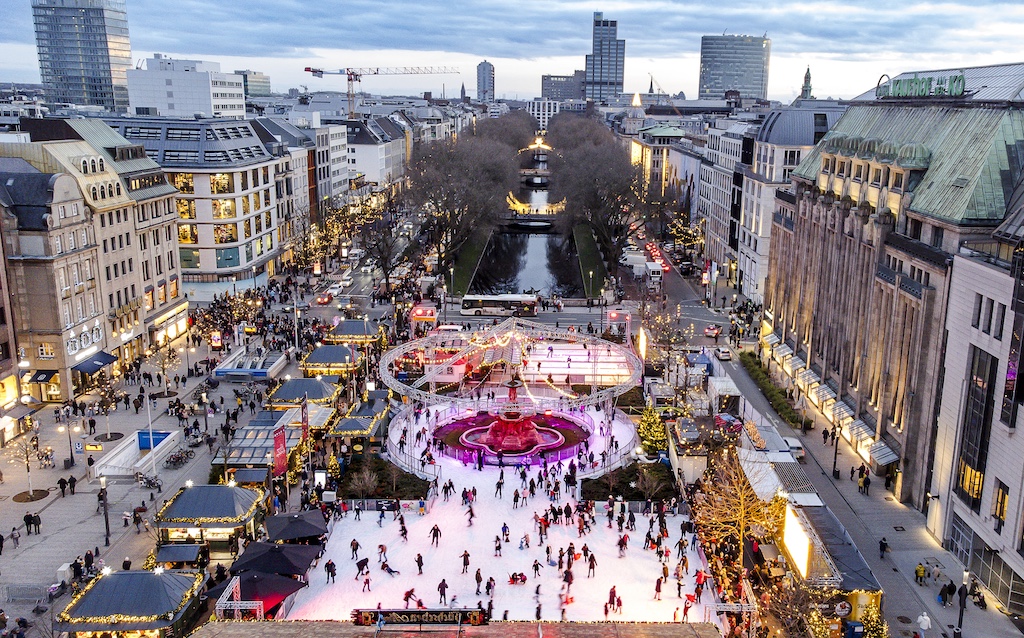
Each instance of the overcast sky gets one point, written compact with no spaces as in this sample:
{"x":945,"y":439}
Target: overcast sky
{"x":848,"y":45}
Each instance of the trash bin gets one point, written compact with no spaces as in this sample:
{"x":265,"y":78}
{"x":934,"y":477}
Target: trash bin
{"x":68,"y":463}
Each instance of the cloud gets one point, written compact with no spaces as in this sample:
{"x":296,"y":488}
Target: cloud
{"x":657,"y":32}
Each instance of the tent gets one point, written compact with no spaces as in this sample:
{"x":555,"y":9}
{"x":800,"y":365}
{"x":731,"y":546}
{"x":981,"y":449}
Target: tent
{"x":276,"y":559}
{"x":269,"y":588}
{"x":286,"y":527}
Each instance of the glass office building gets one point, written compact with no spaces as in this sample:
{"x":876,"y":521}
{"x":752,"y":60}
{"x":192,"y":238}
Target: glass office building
{"x":734,"y":63}
{"x":604,"y":69}
{"x":84,"y":51}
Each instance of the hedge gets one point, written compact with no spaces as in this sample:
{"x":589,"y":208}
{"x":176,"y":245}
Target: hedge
{"x":775,"y":395}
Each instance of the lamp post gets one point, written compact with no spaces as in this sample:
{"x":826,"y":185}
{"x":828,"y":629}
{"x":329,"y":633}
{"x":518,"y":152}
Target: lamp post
{"x":297,"y":315}
{"x":106,"y":511}
{"x":71,"y":448}
{"x":835,"y":452}
{"x":601,"y":307}
{"x":451,"y":278}
{"x":590,"y":288}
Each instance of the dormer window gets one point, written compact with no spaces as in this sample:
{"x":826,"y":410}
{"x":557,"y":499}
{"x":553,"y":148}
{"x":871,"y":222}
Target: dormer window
{"x":92,"y":165}
{"x":95,"y":193}
{"x":101,"y":165}
{"x":85,"y":166}
{"x":897,"y":181}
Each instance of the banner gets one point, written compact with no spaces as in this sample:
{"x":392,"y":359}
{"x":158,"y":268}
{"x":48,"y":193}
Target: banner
{"x":305,"y":418}
{"x":280,"y":452}
{"x":215,"y":340}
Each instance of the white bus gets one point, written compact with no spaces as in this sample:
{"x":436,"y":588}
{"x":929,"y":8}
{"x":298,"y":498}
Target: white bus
{"x":504,"y":305}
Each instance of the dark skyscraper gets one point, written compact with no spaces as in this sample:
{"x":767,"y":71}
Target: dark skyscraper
{"x":84,"y":51}
{"x":734,"y":63}
{"x":604,"y":69}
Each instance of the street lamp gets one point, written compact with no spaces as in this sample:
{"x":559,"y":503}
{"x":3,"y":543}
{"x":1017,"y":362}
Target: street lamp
{"x":71,"y":448}
{"x":590,"y":290}
{"x":106,"y":512}
{"x":451,"y":278}
{"x":297,"y":315}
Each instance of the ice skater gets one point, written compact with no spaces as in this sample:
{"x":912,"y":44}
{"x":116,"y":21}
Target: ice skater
{"x":361,"y":567}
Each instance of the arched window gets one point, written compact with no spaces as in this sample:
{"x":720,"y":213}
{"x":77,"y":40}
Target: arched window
{"x":85,"y":166}
{"x":92,"y":165}
{"x":103,"y":191}
{"x":101,"y":165}
{"x":117,"y":185}
{"x":94,"y":193}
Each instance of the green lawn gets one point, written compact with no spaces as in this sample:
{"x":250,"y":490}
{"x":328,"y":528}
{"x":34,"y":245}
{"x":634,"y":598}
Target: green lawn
{"x":467,"y":259}
{"x":590,"y":259}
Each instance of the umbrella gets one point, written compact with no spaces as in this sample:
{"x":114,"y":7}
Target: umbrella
{"x":286,"y":527}
{"x":269,"y":588}
{"x":276,"y":559}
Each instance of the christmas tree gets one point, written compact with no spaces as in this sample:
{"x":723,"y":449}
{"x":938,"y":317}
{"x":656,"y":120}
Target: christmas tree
{"x":874,"y":623}
{"x":652,"y":431}
{"x":333,"y":469}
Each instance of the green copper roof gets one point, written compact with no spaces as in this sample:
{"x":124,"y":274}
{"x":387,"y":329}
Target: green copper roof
{"x":975,"y":154}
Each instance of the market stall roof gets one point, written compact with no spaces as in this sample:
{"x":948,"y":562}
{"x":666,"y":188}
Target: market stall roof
{"x":353,"y":331}
{"x":293,"y":390}
{"x":139,"y":600}
{"x":250,"y":475}
{"x":287,"y":527}
{"x":844,"y":553}
{"x":275,"y":558}
{"x":272,"y":589}
{"x":772,"y":472}
{"x":178,"y":553}
{"x":209,"y":506}
{"x":327,"y":355}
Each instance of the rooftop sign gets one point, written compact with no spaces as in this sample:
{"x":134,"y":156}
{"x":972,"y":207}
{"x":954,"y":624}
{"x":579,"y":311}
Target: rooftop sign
{"x":921,"y":86}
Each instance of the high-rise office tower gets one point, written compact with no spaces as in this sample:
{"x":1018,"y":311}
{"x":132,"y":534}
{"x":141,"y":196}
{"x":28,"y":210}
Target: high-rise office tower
{"x":604,"y":68}
{"x":84,"y":51}
{"x":734,"y":63}
{"x":485,"y":82}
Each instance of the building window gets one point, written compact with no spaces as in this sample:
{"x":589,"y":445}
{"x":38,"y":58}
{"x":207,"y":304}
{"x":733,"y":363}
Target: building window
{"x":46,"y":351}
{"x":999,"y":504}
{"x":225,"y":233}
{"x":1000,"y":318}
{"x":184,"y":182}
{"x":986,"y":317}
{"x":976,"y":316}
{"x":222,"y":184}
{"x":914,"y":229}
{"x":223,"y":208}
{"x":186,"y":209}
{"x":147,"y":299}
{"x":187,"y":257}
{"x":188,"y":234}
{"x":977,"y":420}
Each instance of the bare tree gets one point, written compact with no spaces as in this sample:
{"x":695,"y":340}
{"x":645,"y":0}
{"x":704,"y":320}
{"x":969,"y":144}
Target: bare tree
{"x":365,"y":482}
{"x":19,"y":451}
{"x":728,"y":506}
{"x":647,"y":483}
{"x":393,"y":473}
{"x":515,"y":129}
{"x":380,"y":241}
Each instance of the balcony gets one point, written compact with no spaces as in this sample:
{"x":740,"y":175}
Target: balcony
{"x":785,"y":196}
{"x":886,"y":274}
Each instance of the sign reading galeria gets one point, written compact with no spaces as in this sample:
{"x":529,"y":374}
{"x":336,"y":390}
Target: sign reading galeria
{"x":368,"y":617}
{"x":921,"y":86}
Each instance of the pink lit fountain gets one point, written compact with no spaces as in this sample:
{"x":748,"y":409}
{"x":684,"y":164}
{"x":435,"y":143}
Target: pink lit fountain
{"x":512,"y":430}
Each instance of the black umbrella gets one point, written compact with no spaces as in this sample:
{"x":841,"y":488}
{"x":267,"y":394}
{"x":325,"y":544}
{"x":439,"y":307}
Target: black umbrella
{"x":276,"y":559}
{"x":286,"y":527}
{"x":270,"y":588}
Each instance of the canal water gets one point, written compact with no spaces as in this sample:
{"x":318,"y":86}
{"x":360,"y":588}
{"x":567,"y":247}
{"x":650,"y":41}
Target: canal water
{"x":527,"y":262}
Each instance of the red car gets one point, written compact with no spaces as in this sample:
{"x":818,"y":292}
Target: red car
{"x":324,"y":298}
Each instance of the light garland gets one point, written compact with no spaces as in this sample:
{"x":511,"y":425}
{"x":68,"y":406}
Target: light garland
{"x":213,"y":519}
{"x":198,"y":580}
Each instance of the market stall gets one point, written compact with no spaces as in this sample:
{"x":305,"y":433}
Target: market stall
{"x":332,"y":360}
{"x":133,"y":604}
{"x":217,"y":515}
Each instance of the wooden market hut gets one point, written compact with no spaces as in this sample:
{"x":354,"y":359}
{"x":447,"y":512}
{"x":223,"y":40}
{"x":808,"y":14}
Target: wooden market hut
{"x":218,"y":515}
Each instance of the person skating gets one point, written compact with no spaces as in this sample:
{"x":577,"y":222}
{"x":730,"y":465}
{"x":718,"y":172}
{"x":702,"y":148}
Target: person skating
{"x":442,"y":589}
{"x":536,"y":568}
{"x":361,"y":567}
{"x":471,"y":515}
{"x":380,"y":519}
{"x":366,"y":583}
{"x":435,"y":536}
{"x":497,"y":546}
{"x":408,"y":596}
{"x":382,"y":553}
{"x":331,"y":569}
{"x":611,"y":597}
{"x":465,"y":561}
{"x":592,"y":566}
{"x":657,"y":589}
{"x":355,"y":549}
{"x":479,"y":581}
{"x":419,"y":564}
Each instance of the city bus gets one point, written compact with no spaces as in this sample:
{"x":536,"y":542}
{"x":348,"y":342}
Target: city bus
{"x":504,"y":305}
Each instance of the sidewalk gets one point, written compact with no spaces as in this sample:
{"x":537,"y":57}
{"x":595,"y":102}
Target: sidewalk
{"x":71,"y":525}
{"x":868,"y":518}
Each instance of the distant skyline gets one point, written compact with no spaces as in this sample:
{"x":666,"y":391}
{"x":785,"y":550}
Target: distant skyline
{"x":847,"y":47}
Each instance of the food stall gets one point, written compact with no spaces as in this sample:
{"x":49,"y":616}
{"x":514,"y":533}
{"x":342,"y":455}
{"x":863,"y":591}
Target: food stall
{"x":218,"y":515}
{"x":133,"y":604}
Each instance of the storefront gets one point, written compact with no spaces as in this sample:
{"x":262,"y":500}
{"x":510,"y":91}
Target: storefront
{"x":133,"y":604}
{"x":169,"y":325}
{"x":42,"y":385}
{"x":216,"y":515}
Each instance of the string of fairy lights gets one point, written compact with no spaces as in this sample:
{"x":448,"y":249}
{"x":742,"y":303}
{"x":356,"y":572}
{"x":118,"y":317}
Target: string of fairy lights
{"x":66,"y":616}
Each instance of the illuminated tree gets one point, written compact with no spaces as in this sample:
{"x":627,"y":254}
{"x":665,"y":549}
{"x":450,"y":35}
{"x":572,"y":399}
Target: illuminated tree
{"x":874,"y":623}
{"x":728,"y":506}
{"x":651,"y":430}
{"x":333,"y":467}
{"x":796,"y":605}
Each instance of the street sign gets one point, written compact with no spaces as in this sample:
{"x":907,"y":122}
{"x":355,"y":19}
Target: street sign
{"x":93,"y":447}
{"x":79,"y":448}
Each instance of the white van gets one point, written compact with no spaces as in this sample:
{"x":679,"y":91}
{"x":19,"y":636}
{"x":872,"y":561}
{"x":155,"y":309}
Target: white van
{"x":796,"y":447}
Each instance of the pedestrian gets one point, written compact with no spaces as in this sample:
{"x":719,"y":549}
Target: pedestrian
{"x":924,"y":622}
{"x":936,"y":572}
{"x":63,"y":485}
{"x":15,"y":535}
{"x":919,"y":573}
{"x":853,"y":471}
{"x":883,"y":547}
{"x":442,"y":589}
{"x":867,"y":484}
{"x":137,"y":520}
{"x":36,"y":521}
{"x":331,"y":569}
{"x":127,"y":564}
{"x":72,"y":481}
{"x":860,"y":484}
{"x":824,"y":437}
{"x":1,"y":551}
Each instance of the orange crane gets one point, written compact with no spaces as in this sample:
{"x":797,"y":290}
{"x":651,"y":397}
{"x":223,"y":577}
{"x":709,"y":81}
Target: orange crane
{"x":356,"y":75}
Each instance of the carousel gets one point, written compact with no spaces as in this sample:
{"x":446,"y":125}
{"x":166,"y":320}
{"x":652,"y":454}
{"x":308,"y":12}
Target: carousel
{"x":519,"y":392}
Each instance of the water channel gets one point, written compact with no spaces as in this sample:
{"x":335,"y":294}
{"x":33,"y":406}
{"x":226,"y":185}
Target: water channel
{"x":534,"y":260}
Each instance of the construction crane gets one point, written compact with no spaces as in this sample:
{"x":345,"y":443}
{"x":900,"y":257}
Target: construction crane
{"x":661,"y":91}
{"x":356,"y":75}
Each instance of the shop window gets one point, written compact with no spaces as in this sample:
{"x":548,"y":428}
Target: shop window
{"x":225,"y":234}
{"x":147,"y":299}
{"x":184,"y":182}
{"x":222,"y":184}
{"x":223,"y":208}
{"x":161,"y":293}
{"x":188,"y":234}
{"x":172,"y":289}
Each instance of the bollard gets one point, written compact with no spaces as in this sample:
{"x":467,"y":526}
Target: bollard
{"x":96,"y":551}
{"x":151,"y":497}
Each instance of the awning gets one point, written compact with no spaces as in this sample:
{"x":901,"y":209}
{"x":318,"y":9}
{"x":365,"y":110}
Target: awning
{"x":841,"y":411}
{"x":796,"y":363}
{"x":42,"y":376}
{"x":825,"y":393}
{"x":185,"y":553}
{"x":771,"y":339}
{"x":782,"y":351}
{"x":93,"y":364}
{"x":20,"y":411}
{"x":808,"y":377}
{"x":860,"y":430}
{"x":882,"y":454}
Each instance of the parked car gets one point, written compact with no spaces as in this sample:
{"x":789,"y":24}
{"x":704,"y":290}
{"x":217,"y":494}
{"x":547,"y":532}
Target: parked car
{"x":712,"y":330}
{"x":723,"y":354}
{"x":324,"y":298}
{"x":796,"y":448}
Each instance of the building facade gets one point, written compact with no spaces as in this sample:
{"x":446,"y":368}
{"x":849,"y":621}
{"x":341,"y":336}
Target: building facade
{"x":543,"y":110}
{"x":185,"y":88}
{"x":734,"y":63}
{"x":53,"y":258}
{"x":485,"y":82}
{"x":859,"y":284}
{"x":254,"y":83}
{"x":224,"y":173}
{"x":605,"y":65}
{"x":786,"y":135}
{"x":563,"y":87}
{"x":84,"y":51}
